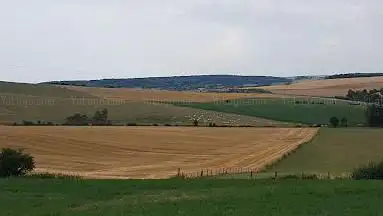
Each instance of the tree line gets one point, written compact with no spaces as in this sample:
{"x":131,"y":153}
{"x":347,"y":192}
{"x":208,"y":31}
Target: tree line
{"x":368,"y":96}
{"x":354,"y":75}
{"x":374,"y":100}
{"x":99,"y":118}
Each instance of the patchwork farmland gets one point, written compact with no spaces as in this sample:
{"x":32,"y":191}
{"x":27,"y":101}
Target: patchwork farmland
{"x":151,"y":152}
{"x":327,"y":88}
{"x":50,"y":103}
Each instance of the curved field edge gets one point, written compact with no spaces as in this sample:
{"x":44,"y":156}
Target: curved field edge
{"x":150,"y":152}
{"x":279,"y":160}
{"x":337,"y":151}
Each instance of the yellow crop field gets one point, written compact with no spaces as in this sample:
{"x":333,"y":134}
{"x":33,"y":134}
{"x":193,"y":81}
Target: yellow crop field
{"x":137,"y":95}
{"x":151,"y":152}
{"x":332,"y":87}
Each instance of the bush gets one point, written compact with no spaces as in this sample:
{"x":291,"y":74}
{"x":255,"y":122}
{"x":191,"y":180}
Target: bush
{"x":212,"y":124}
{"x":28,"y":123}
{"x":369,"y":171}
{"x":131,"y":124}
{"x":334,"y":121}
{"x":15,"y":163}
{"x":77,"y":120}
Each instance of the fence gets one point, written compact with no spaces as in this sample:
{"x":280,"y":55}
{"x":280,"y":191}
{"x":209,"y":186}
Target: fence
{"x":217,"y":172}
{"x":247,"y":173}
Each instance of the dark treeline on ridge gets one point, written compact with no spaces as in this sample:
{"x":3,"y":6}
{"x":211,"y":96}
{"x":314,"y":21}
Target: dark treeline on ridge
{"x":354,"y":75}
{"x":180,"y":83}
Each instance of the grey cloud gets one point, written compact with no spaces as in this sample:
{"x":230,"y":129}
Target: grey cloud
{"x":83,"y":39}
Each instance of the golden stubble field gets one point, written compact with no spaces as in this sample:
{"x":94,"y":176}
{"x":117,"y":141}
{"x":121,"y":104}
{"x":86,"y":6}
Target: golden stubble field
{"x":151,"y":152}
{"x":328,"y":88}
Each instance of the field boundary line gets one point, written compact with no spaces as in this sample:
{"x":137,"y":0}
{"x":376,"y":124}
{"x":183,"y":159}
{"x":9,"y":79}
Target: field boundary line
{"x":287,"y":154}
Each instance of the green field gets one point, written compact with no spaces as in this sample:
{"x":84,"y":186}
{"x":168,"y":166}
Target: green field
{"x":287,"y":110}
{"x":335,"y":150}
{"x":33,"y":197}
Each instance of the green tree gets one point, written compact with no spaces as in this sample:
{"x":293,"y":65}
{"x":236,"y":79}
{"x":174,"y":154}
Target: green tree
{"x":344,"y":122}
{"x":334,"y":121}
{"x":374,"y":115}
{"x":15,"y":163}
{"x":100,"y":117}
{"x":77,"y":119}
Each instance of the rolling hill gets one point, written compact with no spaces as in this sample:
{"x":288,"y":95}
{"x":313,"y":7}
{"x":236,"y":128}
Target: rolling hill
{"x":180,"y":83}
{"x":327,"y":87}
{"x":50,"y":103}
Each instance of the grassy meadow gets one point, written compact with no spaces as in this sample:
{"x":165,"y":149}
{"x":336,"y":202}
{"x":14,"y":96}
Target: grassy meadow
{"x":335,"y":150}
{"x":34,"y":197}
{"x":288,"y":110}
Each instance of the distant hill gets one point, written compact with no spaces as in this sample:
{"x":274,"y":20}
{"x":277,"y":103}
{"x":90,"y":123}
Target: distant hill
{"x":354,"y":75}
{"x":21,"y":102}
{"x":179,"y":82}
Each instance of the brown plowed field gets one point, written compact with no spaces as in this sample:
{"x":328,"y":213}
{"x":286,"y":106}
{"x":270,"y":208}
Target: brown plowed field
{"x":138,"y":95}
{"x":333,"y":87}
{"x":151,"y":152}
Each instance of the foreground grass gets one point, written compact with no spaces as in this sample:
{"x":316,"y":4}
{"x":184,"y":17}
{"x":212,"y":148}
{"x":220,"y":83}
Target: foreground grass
{"x":335,"y":150}
{"x":198,"y":197}
{"x":286,"y":109}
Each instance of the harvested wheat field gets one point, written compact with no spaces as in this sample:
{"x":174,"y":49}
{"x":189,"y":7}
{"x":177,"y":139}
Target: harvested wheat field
{"x":331,"y":87}
{"x":138,"y":95}
{"x":151,"y":152}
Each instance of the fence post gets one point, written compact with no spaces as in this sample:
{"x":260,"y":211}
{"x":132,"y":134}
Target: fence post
{"x":251,"y":174}
{"x":328,"y":175}
{"x":276,"y":175}
{"x":179,"y":172}
{"x":201,"y":173}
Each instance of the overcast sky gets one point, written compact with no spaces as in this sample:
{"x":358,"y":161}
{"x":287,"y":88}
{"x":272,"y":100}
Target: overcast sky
{"x":43,"y":40}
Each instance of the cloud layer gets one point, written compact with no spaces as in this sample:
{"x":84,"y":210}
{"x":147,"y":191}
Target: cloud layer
{"x":87,"y":39}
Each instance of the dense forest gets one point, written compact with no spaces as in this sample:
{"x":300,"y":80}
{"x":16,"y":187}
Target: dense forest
{"x":180,"y":82}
